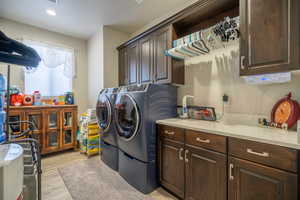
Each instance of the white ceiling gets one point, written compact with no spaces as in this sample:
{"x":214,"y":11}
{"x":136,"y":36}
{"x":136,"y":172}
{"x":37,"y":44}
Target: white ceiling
{"x":82,"y":18}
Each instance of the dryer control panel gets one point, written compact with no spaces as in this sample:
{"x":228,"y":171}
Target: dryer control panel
{"x":110,"y":90}
{"x":135,"y":88}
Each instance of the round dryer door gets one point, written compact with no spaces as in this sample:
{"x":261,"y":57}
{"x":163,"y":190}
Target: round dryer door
{"x":127,"y":117}
{"x":104,"y":112}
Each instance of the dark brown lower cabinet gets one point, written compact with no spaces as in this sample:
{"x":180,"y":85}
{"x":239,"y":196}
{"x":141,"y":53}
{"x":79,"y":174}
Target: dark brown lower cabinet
{"x":172,"y":166}
{"x":205,"y":173}
{"x":251,"y":181}
{"x":188,"y":171}
{"x":201,"y":166}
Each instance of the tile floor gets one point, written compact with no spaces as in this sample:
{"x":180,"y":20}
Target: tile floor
{"x":53,"y":187}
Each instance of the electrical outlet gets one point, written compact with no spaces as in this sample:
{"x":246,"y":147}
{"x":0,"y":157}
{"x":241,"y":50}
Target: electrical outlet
{"x":225,"y":98}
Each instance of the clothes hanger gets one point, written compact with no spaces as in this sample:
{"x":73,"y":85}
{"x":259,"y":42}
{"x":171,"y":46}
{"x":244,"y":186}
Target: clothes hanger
{"x":227,"y":29}
{"x":14,"y":52}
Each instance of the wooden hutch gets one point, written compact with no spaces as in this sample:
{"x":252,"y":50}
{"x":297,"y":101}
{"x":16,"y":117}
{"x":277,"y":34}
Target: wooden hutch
{"x":56,"y":125}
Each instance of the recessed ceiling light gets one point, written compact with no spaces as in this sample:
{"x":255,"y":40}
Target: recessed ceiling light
{"x":51,"y":12}
{"x":54,"y":1}
{"x":139,"y":1}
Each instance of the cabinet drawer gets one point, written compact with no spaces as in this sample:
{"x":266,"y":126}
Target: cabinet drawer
{"x":172,"y":133}
{"x":206,"y":140}
{"x":267,"y":154}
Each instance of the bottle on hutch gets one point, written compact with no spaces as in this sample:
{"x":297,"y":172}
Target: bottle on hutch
{"x":69,"y":98}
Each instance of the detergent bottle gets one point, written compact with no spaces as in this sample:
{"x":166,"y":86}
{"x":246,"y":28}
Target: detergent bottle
{"x":2,"y":112}
{"x":37,"y":98}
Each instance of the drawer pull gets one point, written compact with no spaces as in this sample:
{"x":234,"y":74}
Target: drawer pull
{"x":264,"y":154}
{"x":186,"y":156}
{"x":170,"y":132}
{"x":243,"y":62}
{"x":231,"y":177}
{"x":207,"y":141}
{"x":180,"y":154}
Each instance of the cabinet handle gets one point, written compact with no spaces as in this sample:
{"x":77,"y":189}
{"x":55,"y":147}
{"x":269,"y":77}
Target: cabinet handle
{"x":243,"y":62}
{"x":170,"y":132}
{"x":231,"y":167}
{"x":186,"y":155}
{"x":207,"y":141}
{"x":263,"y":154}
{"x":180,"y":154}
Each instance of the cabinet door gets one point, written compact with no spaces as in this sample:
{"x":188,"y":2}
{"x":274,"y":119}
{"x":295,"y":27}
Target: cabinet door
{"x":36,"y":119}
{"x":269,"y":36}
{"x":248,"y":181}
{"x":53,"y":130}
{"x":162,"y":65}
{"x":146,"y":59}
{"x":133,"y":63}
{"x":206,"y":177}
{"x":53,"y":122}
{"x":68,"y":118}
{"x":68,"y":132}
{"x":123,"y":67}
{"x":14,"y":119}
{"x":68,"y":138}
{"x":171,"y":164}
{"x":52,"y":142}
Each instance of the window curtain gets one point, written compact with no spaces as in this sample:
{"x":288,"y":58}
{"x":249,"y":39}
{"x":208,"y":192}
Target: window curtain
{"x":53,"y":57}
{"x":54,"y":75}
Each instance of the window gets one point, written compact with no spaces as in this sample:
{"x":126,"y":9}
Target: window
{"x":54,"y":75}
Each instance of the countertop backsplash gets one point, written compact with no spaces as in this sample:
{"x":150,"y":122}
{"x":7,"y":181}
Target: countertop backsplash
{"x":232,"y":118}
{"x":209,"y":77}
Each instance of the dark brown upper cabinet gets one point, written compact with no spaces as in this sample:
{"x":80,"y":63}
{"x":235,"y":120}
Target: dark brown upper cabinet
{"x":166,"y":69}
{"x":163,"y":65}
{"x":269,"y":36}
{"x":123,"y":67}
{"x":248,"y":180}
{"x":146,"y":61}
{"x":146,"y":46}
{"x":133,"y":63}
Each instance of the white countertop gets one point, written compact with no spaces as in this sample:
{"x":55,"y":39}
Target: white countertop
{"x":254,"y":133}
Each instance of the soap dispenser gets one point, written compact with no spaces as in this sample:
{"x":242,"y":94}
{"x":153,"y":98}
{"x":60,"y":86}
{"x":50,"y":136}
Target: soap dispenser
{"x":185,"y":111}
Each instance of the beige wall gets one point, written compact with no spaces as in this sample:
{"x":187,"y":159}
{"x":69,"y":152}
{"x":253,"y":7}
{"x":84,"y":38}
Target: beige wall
{"x":103,"y":61}
{"x":209,"y":77}
{"x":95,"y":67}
{"x":112,"y":39}
{"x":22,"y":31}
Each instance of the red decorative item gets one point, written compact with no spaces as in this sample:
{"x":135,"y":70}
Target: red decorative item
{"x":286,"y":111}
{"x":16,"y":99}
{"x":28,"y":100}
